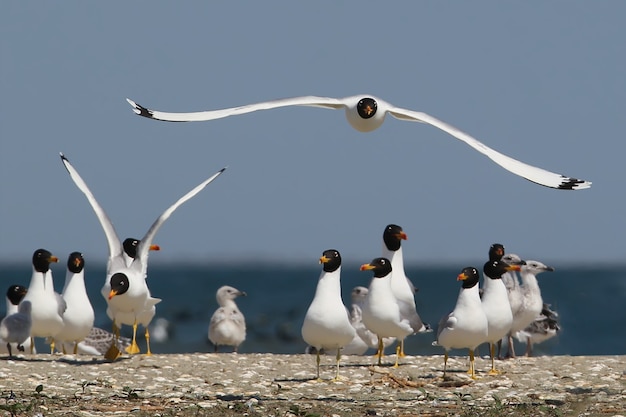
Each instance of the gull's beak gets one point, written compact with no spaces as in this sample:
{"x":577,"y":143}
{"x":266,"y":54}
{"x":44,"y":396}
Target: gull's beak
{"x":513,"y":268}
{"x":155,"y":247}
{"x":77,"y":262}
{"x":462,"y":277}
{"x":53,"y":259}
{"x":402,"y":236}
{"x":367,"y":267}
{"x":112,"y":294}
{"x":324,"y":259}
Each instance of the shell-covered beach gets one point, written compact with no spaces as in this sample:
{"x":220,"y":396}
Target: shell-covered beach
{"x":285,"y":385}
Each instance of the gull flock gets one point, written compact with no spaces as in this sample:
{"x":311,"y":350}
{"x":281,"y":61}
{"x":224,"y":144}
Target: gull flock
{"x":385,"y":313}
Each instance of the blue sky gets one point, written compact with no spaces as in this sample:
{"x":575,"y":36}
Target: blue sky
{"x":540,"y":81}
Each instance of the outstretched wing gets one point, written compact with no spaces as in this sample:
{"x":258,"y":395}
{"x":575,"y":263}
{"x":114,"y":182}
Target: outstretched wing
{"x":144,"y":246}
{"x":310,"y":101}
{"x":115,"y":246}
{"x":537,"y":175}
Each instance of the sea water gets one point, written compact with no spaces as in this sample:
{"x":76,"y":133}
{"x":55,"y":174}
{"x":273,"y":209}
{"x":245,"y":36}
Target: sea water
{"x":590,"y":301}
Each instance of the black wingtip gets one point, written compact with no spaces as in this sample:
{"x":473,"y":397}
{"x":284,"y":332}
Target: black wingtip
{"x":572,"y":184}
{"x":63,"y":156}
{"x":141,"y":110}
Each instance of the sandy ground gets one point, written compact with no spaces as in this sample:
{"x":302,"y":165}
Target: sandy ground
{"x":285,"y":385}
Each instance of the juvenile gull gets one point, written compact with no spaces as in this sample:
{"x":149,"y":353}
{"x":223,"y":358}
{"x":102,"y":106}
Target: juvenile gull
{"x":366,"y":113}
{"x":532,"y":302}
{"x":47,"y":306}
{"x":79,"y":316}
{"x":326,"y":323}
{"x":228,"y":325}
{"x":512,"y":284}
{"x":125,"y":289}
{"x":381,"y":312}
{"x":466,"y":326}
{"x":401,"y":286}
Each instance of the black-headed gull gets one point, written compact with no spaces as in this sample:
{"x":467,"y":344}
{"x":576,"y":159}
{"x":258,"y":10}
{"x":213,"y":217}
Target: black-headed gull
{"x":466,"y":326}
{"x":403,"y":289}
{"x":79,"y":316}
{"x":327,"y":323}
{"x":381,"y":312}
{"x":495,"y":303}
{"x":366,"y":113}
{"x":47,"y":305}
{"x":125,"y":289}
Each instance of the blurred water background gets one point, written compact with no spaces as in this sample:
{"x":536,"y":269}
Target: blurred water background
{"x":590,"y":301}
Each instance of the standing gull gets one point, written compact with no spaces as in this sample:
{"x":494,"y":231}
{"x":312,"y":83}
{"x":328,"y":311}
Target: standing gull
{"x":326,"y":323}
{"x":16,"y":327}
{"x":15,"y":294}
{"x":402,"y":288}
{"x":466,"y":326}
{"x":364,"y":338}
{"x":78,"y":317}
{"x":531,"y":300}
{"x":495,"y":303}
{"x":366,"y":113}
{"x":125,"y":289}
{"x":228,"y":325}
{"x":47,"y":306}
{"x":511,"y":282}
{"x":381,"y":312}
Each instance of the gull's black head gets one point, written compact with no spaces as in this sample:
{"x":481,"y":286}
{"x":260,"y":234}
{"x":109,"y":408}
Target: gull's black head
{"x":495,"y":269}
{"x":42,"y":259}
{"x":331,"y":260}
{"x":119,"y":284}
{"x":380,"y":266}
{"x":130,"y":247}
{"x":469,"y":276}
{"x":75,"y":262}
{"x":16,"y":293}
{"x":496,"y":252}
{"x":393,"y":237}
{"x":366,"y":107}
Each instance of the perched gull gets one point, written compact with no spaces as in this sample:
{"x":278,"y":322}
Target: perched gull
{"x":366,"y":113}
{"x":364,"y":338}
{"x":125,"y":289}
{"x":532,"y":303}
{"x":541,"y":329}
{"x":381,"y":312}
{"x":228,"y":325}
{"x":402,"y":288}
{"x":47,"y":305}
{"x":466,"y":326}
{"x":16,"y":327}
{"x":15,"y":294}
{"x":326,"y":323}
{"x":495,"y":303}
{"x":511,"y":282}
{"x":78,"y":316}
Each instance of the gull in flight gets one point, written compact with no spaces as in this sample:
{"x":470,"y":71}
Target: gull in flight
{"x":366,"y":113}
